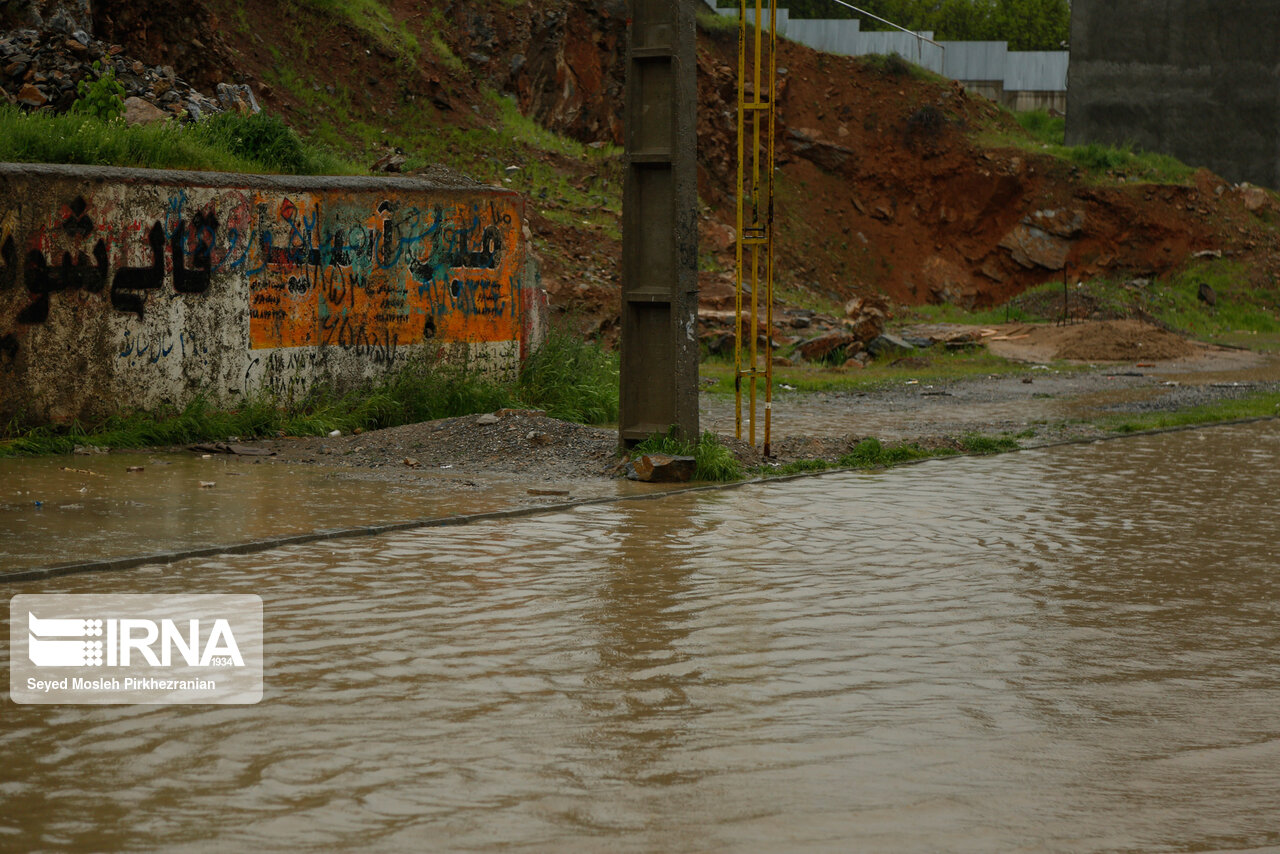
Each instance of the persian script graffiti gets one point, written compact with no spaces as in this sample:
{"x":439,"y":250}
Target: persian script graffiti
{"x":321,"y":271}
{"x":341,"y":275}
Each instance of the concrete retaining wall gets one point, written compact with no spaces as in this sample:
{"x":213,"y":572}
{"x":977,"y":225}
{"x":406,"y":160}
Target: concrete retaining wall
{"x":123,"y":288}
{"x":1020,"y":80}
{"x":1198,"y":79}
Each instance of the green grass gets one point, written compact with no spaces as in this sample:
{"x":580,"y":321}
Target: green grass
{"x":1254,"y":406}
{"x":1246,"y":313}
{"x":714,"y":461}
{"x":1046,"y":129}
{"x":872,"y":453}
{"x":1043,"y":134}
{"x":941,"y":366}
{"x":572,"y":378}
{"x":374,"y":19}
{"x":567,"y":181}
{"x":974,"y":443}
{"x":716,"y":25}
{"x":569,"y":378}
{"x":226,"y":142}
{"x":893,"y":65}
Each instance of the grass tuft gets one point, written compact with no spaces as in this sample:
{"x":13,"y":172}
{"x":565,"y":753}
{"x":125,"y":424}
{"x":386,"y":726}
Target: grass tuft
{"x":870,"y":453}
{"x":572,"y":378}
{"x":976,"y":444}
{"x":1047,"y":129}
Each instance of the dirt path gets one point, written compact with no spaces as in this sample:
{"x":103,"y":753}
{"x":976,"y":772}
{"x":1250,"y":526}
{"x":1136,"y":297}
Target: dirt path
{"x":1040,"y":405}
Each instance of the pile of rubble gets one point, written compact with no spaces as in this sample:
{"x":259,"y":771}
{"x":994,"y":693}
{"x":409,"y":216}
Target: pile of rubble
{"x":41,"y":69}
{"x":811,"y":336}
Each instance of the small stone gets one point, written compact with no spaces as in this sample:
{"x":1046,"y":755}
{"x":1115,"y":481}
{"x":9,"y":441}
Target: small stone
{"x":661,"y":468}
{"x":208,"y":484}
{"x":134,"y":469}
{"x":140,"y":112}
{"x":1207,"y":294}
{"x":31,"y":96}
{"x":887,"y":343}
{"x":1254,"y":198}
{"x":487,"y":418}
{"x":411,"y":462}
{"x":334,"y":434}
{"x":816,"y":349}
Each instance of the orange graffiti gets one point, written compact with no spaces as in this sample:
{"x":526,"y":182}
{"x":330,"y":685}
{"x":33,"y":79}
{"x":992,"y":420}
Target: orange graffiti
{"x":360,"y":270}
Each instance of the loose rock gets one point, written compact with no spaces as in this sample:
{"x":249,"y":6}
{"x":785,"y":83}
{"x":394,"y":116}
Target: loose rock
{"x":661,"y":468}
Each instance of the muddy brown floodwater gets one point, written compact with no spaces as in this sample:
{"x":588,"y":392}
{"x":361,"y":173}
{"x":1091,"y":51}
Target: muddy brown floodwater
{"x":1067,"y":649}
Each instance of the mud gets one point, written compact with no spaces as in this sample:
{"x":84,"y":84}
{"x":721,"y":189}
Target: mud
{"x":1042,"y":405}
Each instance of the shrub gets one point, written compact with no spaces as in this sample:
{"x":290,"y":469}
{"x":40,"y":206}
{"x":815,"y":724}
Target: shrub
{"x":102,"y":98}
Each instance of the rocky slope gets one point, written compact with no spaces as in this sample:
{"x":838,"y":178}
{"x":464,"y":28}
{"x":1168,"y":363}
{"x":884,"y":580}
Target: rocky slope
{"x":884,"y":190}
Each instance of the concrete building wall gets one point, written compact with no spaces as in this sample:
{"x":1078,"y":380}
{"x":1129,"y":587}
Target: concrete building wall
{"x":126,"y":288}
{"x":1198,"y":79}
{"x":1020,"y":80}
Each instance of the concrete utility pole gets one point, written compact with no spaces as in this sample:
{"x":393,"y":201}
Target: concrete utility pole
{"x":660,"y":225}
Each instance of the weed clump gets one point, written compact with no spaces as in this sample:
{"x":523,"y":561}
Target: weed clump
{"x":261,"y":138}
{"x":889,"y":65}
{"x":572,"y":378}
{"x":870,"y":453}
{"x":976,"y":444}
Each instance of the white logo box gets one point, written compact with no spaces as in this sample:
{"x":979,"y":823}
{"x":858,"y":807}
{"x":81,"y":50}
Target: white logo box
{"x":135,"y":648}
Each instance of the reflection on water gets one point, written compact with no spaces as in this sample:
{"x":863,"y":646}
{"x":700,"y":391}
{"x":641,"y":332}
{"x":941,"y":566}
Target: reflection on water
{"x":57,"y":510}
{"x":1074,"y":649}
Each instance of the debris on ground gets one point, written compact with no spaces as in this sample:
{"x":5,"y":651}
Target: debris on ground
{"x":661,"y":468}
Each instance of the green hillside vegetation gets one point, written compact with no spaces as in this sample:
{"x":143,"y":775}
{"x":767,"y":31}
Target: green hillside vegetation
{"x":1246,"y":309}
{"x":227,"y":142}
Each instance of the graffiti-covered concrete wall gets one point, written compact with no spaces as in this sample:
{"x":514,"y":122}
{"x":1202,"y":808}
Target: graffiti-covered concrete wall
{"x":128,"y":288}
{"x":1198,"y":79}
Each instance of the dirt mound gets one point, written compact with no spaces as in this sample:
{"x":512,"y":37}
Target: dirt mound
{"x":511,"y":440}
{"x":1093,"y":341}
{"x":1119,"y":341}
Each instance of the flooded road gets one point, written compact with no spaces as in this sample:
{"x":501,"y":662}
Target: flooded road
{"x":67,"y":509}
{"x":1068,"y":649}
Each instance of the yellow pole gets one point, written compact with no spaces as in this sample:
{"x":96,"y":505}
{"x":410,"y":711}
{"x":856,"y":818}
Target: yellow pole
{"x":737,"y":290}
{"x":769,"y":164}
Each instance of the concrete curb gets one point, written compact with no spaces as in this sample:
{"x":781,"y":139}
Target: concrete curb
{"x":253,"y":546}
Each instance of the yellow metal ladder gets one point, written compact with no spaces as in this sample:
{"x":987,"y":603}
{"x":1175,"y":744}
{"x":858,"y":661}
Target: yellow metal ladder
{"x":755,"y":212}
